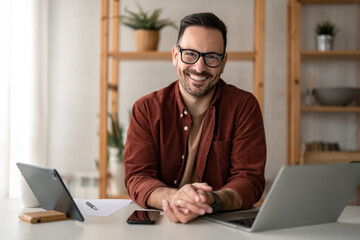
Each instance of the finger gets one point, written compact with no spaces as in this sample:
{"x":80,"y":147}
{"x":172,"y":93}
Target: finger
{"x":203,"y":195}
{"x":182,"y":217}
{"x":180,"y":204}
{"x":203,"y":186}
{"x":197,"y":208}
{"x":184,"y":211}
{"x":169,"y":212}
{"x":189,"y":193}
{"x":200,"y":189}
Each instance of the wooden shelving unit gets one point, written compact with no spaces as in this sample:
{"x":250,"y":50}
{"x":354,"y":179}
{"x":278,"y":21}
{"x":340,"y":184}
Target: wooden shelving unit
{"x":296,"y":57}
{"x":110,"y":56}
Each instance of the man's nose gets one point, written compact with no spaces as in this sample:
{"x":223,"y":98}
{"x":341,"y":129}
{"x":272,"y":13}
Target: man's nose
{"x":200,"y":65}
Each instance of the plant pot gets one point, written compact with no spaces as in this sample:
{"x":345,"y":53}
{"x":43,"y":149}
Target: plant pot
{"x":146,"y":40}
{"x":117,"y":171}
{"x":324,"y":42}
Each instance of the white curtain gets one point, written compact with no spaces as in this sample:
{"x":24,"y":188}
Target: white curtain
{"x":23,"y":88}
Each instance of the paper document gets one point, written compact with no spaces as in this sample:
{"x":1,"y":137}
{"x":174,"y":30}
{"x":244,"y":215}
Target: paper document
{"x":100,"y":207}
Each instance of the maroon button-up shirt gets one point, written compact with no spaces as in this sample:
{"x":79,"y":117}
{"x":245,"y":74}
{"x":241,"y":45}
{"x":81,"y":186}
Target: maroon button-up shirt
{"x":231,"y":152}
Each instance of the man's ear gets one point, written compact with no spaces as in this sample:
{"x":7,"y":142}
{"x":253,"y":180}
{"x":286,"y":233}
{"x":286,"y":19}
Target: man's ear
{"x":174,"y":54}
{"x":224,"y":63}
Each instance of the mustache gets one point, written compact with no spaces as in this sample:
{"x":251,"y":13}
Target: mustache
{"x":202,"y":74}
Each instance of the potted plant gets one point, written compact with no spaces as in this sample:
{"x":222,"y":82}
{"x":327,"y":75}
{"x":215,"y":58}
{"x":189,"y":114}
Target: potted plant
{"x":146,"y":26}
{"x":325,"y":34}
{"x":116,"y":147}
{"x":115,"y":138}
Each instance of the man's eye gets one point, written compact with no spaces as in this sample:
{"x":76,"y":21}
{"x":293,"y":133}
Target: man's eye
{"x":190,"y":54}
{"x":213,"y":57}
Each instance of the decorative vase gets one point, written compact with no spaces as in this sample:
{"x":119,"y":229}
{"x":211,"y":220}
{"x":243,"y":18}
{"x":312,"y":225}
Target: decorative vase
{"x":324,"y":42}
{"x":117,"y":171}
{"x":146,"y":40}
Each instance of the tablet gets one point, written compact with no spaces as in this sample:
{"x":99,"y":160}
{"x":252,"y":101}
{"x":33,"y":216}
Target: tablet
{"x":50,"y":190}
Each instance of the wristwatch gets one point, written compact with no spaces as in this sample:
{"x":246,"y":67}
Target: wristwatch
{"x":216,"y":206}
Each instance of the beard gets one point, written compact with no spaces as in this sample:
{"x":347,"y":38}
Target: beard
{"x":198,"y":90}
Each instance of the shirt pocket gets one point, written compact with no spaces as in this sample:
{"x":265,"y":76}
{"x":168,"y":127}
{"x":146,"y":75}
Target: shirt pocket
{"x":220,"y":157}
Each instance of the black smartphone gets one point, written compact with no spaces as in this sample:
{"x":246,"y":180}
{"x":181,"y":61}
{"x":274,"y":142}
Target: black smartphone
{"x":143,"y":217}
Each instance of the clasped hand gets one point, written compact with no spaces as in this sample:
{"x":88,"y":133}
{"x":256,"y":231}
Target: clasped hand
{"x":189,"y":202}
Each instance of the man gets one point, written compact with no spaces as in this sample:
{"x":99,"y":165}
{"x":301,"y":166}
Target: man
{"x":197,"y":146}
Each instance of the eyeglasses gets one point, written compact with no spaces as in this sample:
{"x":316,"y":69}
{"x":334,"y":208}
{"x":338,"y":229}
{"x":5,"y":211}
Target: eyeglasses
{"x":189,"y":56}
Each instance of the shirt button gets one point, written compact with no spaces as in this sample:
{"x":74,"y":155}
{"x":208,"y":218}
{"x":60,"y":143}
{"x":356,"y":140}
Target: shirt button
{"x":175,"y":181}
{"x":186,"y":128}
{"x":182,"y":157}
{"x":181,"y":115}
{"x":185,"y":112}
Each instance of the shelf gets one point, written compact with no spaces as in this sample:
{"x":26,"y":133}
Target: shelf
{"x":141,"y":55}
{"x":329,"y":109}
{"x":160,"y":56}
{"x":316,"y":157}
{"x":233,"y":56}
{"x":330,"y":55}
{"x":328,"y":1}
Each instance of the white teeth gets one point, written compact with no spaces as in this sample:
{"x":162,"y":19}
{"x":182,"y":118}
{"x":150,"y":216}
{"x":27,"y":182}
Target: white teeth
{"x":197,"y":78}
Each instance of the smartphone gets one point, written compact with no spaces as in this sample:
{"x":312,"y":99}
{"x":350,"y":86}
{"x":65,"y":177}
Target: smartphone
{"x":143,"y":217}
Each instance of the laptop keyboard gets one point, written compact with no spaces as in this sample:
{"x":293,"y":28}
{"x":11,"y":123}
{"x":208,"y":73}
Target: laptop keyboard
{"x":248,"y":222}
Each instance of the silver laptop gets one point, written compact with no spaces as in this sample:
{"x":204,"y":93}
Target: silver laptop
{"x":300,"y":195}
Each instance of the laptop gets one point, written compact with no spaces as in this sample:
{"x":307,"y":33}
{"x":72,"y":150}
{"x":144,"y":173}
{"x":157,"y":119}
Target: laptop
{"x":300,"y":195}
{"x":50,"y":190}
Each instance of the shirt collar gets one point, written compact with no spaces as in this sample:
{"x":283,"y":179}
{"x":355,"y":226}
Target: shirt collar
{"x":215,"y":99}
{"x":178,"y":97}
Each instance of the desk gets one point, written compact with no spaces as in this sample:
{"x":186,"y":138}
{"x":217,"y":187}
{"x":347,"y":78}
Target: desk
{"x":115,"y":227}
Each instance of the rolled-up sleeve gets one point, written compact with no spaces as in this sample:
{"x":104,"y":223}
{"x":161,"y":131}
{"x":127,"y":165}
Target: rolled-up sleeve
{"x":140,"y":157}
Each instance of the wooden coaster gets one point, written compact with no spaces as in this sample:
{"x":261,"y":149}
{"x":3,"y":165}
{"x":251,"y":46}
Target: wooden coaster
{"x":43,"y":216}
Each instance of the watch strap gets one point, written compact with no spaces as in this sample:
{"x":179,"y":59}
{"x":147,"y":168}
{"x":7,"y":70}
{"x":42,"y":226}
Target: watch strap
{"x":216,"y":206}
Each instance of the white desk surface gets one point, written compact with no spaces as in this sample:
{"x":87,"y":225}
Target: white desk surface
{"x":115,"y":227}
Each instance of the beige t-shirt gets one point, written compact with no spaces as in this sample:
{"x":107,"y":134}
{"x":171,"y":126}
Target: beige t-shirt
{"x":196,"y":128}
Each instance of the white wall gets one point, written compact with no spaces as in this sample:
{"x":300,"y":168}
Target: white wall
{"x":74,"y":72}
{"x":74,"y":84}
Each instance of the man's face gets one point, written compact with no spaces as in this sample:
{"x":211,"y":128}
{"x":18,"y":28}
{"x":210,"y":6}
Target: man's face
{"x":198,"y":79}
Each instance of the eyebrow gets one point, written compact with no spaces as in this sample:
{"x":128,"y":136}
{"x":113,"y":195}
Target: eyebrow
{"x":199,"y":51}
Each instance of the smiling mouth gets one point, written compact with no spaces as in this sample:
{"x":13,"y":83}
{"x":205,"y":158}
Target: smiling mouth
{"x":197,"y":78}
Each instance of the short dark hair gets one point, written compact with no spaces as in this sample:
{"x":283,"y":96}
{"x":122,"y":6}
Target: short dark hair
{"x":207,"y":20}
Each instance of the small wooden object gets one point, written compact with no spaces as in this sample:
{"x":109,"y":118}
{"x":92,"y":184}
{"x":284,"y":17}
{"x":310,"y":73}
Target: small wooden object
{"x":43,"y":216}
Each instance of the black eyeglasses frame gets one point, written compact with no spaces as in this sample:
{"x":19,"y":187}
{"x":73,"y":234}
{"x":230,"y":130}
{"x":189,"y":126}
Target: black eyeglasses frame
{"x":200,"y":55}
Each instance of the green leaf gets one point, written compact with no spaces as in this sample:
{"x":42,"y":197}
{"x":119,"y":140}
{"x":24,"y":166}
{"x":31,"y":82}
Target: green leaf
{"x":145,"y":19}
{"x":115,"y":135}
{"x":326,"y":27}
